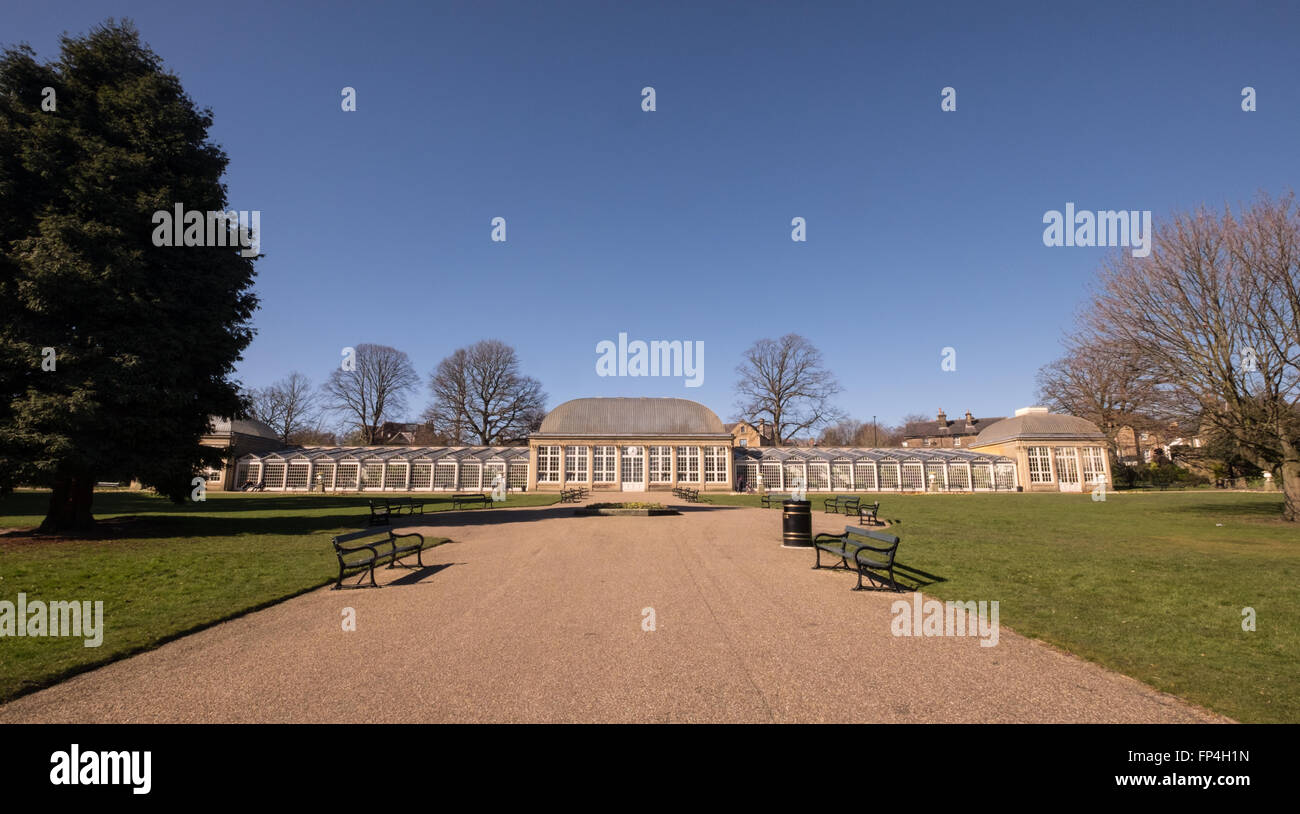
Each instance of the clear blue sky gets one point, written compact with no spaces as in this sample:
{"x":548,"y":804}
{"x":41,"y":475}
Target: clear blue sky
{"x":924,"y":227}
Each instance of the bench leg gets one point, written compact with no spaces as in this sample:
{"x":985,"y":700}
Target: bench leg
{"x":359,"y":583}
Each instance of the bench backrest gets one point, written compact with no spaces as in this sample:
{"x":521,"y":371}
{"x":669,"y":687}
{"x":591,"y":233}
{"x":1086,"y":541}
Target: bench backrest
{"x":869,"y":537}
{"x":378,"y":531}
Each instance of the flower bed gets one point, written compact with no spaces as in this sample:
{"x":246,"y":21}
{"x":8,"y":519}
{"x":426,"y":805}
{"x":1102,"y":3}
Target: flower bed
{"x":623,"y":510}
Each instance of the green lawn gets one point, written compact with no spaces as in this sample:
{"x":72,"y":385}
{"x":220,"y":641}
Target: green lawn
{"x":1152,"y":585}
{"x":176,"y":570}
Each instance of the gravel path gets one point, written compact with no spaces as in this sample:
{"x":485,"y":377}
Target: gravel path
{"x":537,"y":616}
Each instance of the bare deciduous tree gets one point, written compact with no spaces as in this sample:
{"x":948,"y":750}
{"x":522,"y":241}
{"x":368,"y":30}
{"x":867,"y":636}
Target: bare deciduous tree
{"x":913,"y":424}
{"x":1108,"y":384}
{"x":783,"y":381}
{"x":1214,"y":313}
{"x":289,"y":406}
{"x":479,"y":395}
{"x":374,"y":389}
{"x":841,"y":434}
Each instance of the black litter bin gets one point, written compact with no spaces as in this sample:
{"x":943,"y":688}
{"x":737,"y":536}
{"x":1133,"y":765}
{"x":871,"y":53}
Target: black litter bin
{"x":796,"y":523}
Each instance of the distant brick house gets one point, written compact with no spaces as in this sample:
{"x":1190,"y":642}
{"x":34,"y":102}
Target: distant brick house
{"x":746,"y":434}
{"x":235,"y":439}
{"x":396,"y":433}
{"x":1135,"y":447}
{"x":944,"y":434}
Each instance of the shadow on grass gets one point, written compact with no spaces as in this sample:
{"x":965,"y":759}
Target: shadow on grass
{"x":164,"y":526}
{"x":1271,"y":510}
{"x":918,"y":578}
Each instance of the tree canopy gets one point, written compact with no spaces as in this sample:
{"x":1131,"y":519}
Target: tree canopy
{"x":114,"y":352}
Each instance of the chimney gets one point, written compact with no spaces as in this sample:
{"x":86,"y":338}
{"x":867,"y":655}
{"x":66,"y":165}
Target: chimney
{"x":969,"y":420}
{"x":943,"y":418}
{"x":1029,"y":410}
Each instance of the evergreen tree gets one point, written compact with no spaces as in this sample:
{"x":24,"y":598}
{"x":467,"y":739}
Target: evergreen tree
{"x":142,"y":339}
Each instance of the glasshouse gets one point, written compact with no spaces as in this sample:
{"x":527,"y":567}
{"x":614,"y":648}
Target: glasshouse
{"x":435,"y":469}
{"x":649,"y":444}
{"x":837,"y":469}
{"x":392,"y":469}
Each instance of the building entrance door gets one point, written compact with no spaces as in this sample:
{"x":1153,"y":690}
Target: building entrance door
{"x":1067,"y":470}
{"x":633,"y":469}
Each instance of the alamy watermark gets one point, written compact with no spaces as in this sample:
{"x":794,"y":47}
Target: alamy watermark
{"x":101,"y":768}
{"x":193,"y":227}
{"x":38,"y":618}
{"x":1110,"y":227}
{"x":935,"y":618}
{"x":655,"y":358}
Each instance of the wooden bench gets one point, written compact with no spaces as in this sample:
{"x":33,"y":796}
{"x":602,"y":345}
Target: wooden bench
{"x":848,"y":505}
{"x":383,"y":511}
{"x":481,"y":498}
{"x":363,"y":550}
{"x":573,"y":495}
{"x":380,"y":514}
{"x":860,"y":550}
{"x":689,"y":495}
{"x":866,"y":513}
{"x":768,"y":500}
{"x":397,"y":505}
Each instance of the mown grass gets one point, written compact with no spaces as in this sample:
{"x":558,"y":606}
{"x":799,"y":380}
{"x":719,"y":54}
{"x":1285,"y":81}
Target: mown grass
{"x":1150,"y":584}
{"x":171,"y":569}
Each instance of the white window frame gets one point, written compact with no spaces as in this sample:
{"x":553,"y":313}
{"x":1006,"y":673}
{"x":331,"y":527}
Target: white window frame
{"x":1092,"y":462}
{"x":575,"y":464}
{"x":603,"y":464}
{"x":1037,"y":457}
{"x":517,"y":475}
{"x":688,"y":464}
{"x":659,"y":464}
{"x":715,"y":464}
{"x":548,"y":464}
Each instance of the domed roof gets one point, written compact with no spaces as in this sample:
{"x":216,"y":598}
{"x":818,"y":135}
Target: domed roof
{"x":631,"y":417}
{"x":1037,"y":423}
{"x":243,"y":426}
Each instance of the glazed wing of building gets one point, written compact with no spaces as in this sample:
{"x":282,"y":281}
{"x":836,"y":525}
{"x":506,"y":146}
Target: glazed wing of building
{"x":853,"y":469}
{"x":385,"y":469}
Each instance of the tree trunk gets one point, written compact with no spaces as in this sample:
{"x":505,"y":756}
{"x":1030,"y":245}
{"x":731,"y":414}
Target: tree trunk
{"x":69,"y":508}
{"x":1291,"y":490}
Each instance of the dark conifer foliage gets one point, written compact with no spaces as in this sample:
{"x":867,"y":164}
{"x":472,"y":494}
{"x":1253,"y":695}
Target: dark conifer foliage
{"x":144,"y":338}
